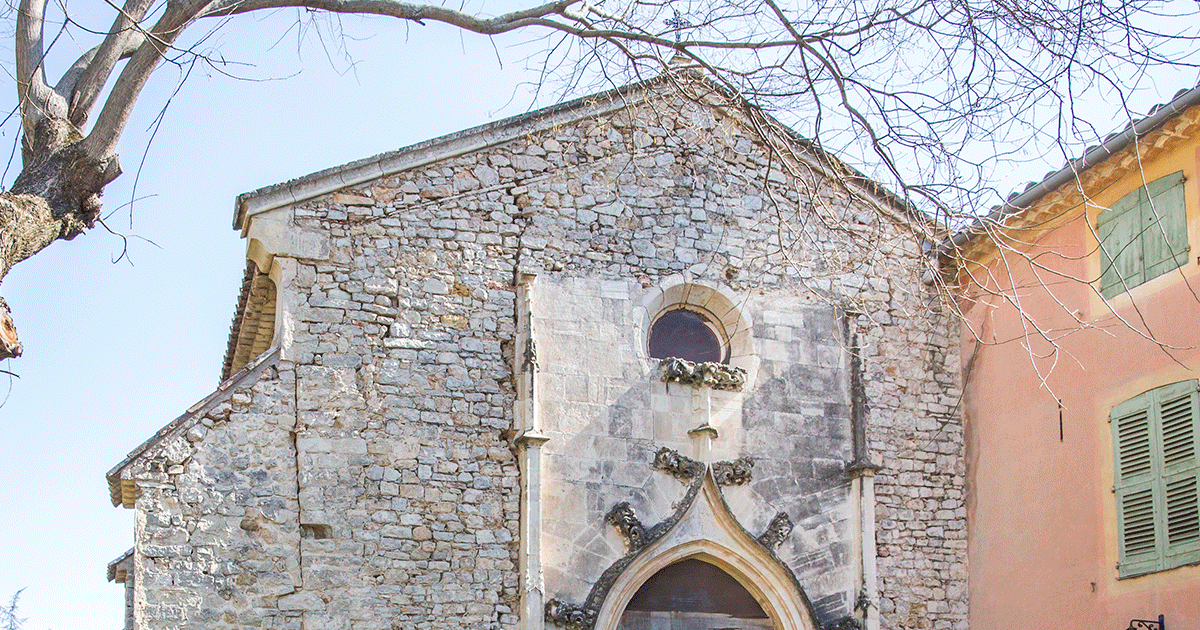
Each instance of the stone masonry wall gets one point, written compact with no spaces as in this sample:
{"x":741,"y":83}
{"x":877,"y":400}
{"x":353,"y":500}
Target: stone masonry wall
{"x":381,"y":446}
{"x":216,"y":537}
{"x":916,"y":432}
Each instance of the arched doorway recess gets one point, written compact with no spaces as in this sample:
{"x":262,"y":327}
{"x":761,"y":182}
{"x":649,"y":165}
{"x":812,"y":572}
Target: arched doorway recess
{"x":709,"y":533}
{"x":693,"y":595}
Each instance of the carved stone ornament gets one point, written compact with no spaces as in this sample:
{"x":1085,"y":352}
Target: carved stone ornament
{"x":530,"y":359}
{"x":704,"y":522}
{"x":845,"y":623}
{"x":568,"y":616}
{"x":679,"y":466}
{"x":572,"y":617}
{"x":734,"y":473}
{"x":864,"y":602}
{"x":777,"y":532}
{"x":622,"y":517}
{"x":714,"y":375}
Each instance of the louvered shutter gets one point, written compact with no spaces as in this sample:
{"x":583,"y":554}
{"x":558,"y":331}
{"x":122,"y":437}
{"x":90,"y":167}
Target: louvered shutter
{"x":1120,"y":244}
{"x":1177,"y":416}
{"x":1164,"y":226}
{"x":1136,"y":480}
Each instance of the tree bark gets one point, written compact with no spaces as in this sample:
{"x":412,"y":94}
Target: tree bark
{"x":27,"y":226}
{"x":56,"y":196}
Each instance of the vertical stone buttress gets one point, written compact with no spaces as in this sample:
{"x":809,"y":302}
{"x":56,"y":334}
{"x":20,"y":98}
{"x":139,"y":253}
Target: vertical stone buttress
{"x":529,"y":443}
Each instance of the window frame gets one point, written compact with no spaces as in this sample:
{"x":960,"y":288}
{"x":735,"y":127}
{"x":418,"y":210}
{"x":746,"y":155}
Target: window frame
{"x":1156,"y":479}
{"x":1146,"y":222}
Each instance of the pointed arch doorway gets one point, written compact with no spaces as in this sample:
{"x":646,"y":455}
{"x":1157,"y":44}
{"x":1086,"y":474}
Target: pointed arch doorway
{"x":703,"y":530}
{"x":693,"y":595}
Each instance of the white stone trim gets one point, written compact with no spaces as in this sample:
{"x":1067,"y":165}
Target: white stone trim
{"x":709,"y":532}
{"x":720,"y":302}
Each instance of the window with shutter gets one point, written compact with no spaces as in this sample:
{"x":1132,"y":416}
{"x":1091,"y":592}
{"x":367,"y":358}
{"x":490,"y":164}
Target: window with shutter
{"x":1143,"y":235}
{"x":1156,"y":447}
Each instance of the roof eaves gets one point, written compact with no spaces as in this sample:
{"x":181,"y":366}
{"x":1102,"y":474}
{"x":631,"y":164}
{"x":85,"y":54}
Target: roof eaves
{"x":1068,"y":173}
{"x":223,"y":392}
{"x":115,"y":569}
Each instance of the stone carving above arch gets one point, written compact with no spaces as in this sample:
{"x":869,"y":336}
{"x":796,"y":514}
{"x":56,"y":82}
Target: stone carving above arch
{"x":679,"y":466}
{"x":702,"y":527}
{"x":733,"y":473}
{"x":778,"y":530}
{"x":622,"y":517}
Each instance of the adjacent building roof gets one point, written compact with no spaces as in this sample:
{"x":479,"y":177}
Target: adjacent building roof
{"x":1020,"y":202}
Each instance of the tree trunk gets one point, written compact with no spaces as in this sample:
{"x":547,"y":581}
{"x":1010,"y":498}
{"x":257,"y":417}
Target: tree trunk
{"x":56,"y":196}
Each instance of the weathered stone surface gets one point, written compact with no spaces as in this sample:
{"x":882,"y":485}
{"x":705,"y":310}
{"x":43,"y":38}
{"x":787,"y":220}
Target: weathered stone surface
{"x":375,"y":461}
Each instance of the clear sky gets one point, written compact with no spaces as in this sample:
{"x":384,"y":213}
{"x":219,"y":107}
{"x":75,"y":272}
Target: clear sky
{"x":115,"y":351}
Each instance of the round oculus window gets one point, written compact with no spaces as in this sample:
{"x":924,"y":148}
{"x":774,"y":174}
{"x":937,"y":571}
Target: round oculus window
{"x":688,"y":335}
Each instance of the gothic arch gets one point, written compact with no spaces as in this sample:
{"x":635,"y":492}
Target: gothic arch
{"x":708,"y":531}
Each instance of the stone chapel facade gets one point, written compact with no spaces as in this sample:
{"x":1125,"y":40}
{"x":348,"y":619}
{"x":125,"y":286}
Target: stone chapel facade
{"x":441,"y":407}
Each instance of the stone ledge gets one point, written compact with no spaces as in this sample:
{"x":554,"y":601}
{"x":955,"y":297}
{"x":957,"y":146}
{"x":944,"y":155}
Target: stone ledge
{"x":714,"y":375}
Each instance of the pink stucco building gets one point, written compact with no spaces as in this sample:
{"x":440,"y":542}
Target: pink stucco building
{"x":1080,"y":359}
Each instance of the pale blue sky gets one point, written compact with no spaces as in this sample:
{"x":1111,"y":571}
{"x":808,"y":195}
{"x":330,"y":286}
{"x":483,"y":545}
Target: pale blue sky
{"x":113,"y":352}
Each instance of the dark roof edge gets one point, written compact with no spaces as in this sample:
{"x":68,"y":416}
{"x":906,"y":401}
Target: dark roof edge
{"x":1071,"y":170}
{"x":223,"y":392}
{"x":428,"y":151}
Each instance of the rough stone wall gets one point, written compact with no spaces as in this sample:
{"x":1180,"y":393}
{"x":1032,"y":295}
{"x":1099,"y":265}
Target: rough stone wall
{"x":404,"y":400}
{"x":687,"y":199}
{"x":916,"y":432}
{"x":398,"y":495}
{"x":216,"y":534}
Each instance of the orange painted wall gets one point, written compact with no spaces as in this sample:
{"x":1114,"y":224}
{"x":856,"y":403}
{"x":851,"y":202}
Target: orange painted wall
{"x":1041,"y":513}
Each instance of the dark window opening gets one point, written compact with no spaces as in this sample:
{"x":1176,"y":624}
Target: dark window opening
{"x":686,"y":335}
{"x":693,"y":595}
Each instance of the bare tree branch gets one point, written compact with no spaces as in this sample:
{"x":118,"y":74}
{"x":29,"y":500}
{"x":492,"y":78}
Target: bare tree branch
{"x":120,"y":42}
{"x":38,"y":101}
{"x":929,"y":97}
{"x":102,"y":140}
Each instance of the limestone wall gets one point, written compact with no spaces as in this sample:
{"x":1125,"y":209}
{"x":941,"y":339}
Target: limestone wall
{"x":368,"y":478}
{"x":607,"y":412}
{"x":216,"y":537}
{"x":916,"y":432}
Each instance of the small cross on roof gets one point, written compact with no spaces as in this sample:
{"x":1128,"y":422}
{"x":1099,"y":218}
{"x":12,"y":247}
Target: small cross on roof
{"x":677,"y":23}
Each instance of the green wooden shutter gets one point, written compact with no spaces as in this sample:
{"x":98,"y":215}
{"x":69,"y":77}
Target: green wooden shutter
{"x":1143,"y":235}
{"x":1156,"y":445}
{"x":1178,"y":413}
{"x":1164,"y":226}
{"x":1136,"y":476}
{"x":1120,"y":244}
